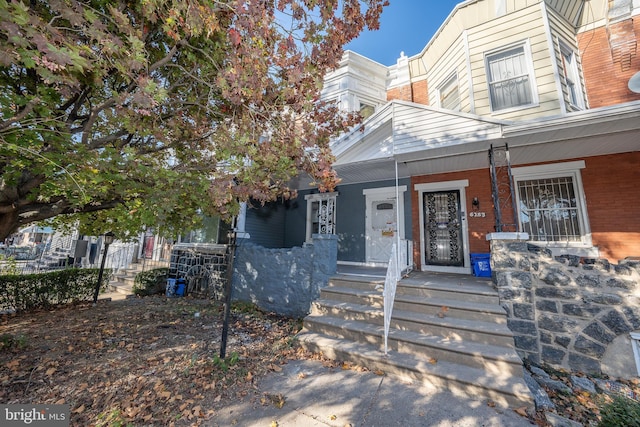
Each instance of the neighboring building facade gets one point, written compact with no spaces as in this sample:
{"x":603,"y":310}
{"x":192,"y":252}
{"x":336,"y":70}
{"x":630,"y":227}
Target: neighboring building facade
{"x":516,"y":116}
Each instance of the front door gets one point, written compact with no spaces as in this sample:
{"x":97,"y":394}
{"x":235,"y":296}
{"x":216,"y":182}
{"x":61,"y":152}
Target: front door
{"x":382,"y":229}
{"x":381,"y":224}
{"x":443,"y":244}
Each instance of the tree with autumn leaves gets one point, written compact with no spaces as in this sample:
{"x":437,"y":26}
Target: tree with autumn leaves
{"x":116,"y":115}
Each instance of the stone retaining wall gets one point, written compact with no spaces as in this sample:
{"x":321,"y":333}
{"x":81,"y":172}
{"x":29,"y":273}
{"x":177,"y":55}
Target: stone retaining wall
{"x":284,"y":281}
{"x":567,"y":311}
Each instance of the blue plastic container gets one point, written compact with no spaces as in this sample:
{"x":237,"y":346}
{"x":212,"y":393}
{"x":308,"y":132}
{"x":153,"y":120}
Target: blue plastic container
{"x":182,"y":286}
{"x":171,"y":288}
{"x":481,"y":264}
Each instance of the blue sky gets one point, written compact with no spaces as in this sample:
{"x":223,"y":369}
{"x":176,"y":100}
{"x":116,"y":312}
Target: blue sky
{"x":405,"y":25}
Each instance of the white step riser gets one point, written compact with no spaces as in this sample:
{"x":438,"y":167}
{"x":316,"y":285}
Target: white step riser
{"x":429,"y":326}
{"x":355,"y":284}
{"x":504,"y":398}
{"x":445,"y":294}
{"x":451,"y":311}
{"x":420,"y":350}
{"x":369,"y":300}
{"x":417,"y":307}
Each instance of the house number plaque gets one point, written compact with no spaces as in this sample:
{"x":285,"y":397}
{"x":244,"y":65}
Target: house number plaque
{"x":477,"y":214}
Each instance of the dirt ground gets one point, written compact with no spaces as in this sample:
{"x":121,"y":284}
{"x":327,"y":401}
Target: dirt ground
{"x":156,"y":361}
{"x":151,"y":361}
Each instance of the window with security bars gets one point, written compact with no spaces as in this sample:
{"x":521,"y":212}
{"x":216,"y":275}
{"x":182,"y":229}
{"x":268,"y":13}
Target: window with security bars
{"x":321,"y":214}
{"x":509,"y":79}
{"x":549,"y":211}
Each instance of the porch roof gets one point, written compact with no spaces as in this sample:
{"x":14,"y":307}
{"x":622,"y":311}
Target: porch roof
{"x":427,"y":140}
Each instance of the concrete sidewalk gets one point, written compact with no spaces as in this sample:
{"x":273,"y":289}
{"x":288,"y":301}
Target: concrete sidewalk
{"x":315,"y":395}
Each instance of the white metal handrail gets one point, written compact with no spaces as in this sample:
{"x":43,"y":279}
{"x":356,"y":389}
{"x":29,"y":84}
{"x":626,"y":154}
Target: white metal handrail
{"x":389,"y":292}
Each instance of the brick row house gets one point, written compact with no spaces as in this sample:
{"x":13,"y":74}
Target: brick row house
{"x":516,"y":116}
{"x":513,"y":135}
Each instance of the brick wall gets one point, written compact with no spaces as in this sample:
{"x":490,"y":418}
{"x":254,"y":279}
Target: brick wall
{"x":416,"y":92}
{"x":402,"y":93}
{"x":606,"y":77}
{"x":613,"y":205}
{"x":480,"y":187}
{"x":613,"y":202}
{"x":420,"y":92}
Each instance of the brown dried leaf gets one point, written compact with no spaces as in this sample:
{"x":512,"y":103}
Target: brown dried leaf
{"x":522,"y":411}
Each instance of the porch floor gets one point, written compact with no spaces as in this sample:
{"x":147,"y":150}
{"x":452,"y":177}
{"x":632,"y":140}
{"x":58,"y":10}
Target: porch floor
{"x":417,"y":278}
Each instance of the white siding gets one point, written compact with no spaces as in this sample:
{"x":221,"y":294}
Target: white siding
{"x":570,"y":10}
{"x":563,"y":31}
{"x":523,"y":25}
{"x":417,"y":128}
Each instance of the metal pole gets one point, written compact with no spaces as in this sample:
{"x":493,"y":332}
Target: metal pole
{"x":104,"y":258}
{"x":227,"y":290}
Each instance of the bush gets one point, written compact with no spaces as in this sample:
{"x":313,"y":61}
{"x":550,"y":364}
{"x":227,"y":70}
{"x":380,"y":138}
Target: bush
{"x":151,"y":282}
{"x":44,"y":290}
{"x":622,"y":411}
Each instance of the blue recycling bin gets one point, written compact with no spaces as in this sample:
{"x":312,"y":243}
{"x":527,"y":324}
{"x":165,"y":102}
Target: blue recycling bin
{"x":171,"y":288}
{"x":181,"y":287}
{"x":481,"y":264}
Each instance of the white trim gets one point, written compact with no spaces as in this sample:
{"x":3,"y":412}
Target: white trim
{"x":635,"y":344}
{"x":451,"y":78}
{"x":551,"y":168}
{"x":241,"y":222}
{"x":383,"y":190}
{"x":554,"y":63}
{"x":317,"y":197}
{"x":472,"y":101}
{"x":444,"y":185}
{"x":555,"y":170}
{"x":459,"y":185}
{"x":574,"y":71}
{"x":507,"y":235}
{"x":390,"y":193}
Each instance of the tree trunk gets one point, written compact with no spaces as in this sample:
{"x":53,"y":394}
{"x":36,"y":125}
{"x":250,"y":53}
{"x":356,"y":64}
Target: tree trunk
{"x":9,"y":224}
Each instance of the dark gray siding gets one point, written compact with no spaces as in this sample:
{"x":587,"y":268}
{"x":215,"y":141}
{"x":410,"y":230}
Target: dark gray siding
{"x":350,"y":218}
{"x":296,"y":221}
{"x":283,"y":224}
{"x":266,"y":224}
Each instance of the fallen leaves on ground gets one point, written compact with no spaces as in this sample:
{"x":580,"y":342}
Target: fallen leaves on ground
{"x":145,"y":361}
{"x":580,"y":406}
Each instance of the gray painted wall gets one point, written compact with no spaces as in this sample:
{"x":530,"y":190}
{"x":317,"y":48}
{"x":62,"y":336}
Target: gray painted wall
{"x":283,"y":225}
{"x":266,"y":224}
{"x":287,"y":280}
{"x":350,"y":219}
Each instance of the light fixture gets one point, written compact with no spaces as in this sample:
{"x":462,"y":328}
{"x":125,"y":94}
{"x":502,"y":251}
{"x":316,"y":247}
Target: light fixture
{"x":109,"y":237}
{"x":475,"y":203}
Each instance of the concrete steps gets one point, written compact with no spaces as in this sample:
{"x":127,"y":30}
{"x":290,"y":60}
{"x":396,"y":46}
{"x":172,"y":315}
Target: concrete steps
{"x":445,"y":333}
{"x":123,"y":280}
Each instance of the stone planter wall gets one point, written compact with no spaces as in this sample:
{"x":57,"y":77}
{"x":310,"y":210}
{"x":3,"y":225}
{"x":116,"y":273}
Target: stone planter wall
{"x":567,"y":311}
{"x":284,"y":281}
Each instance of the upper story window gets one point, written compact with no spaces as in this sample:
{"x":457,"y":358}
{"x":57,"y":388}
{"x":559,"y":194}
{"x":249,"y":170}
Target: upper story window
{"x":510,"y":77}
{"x":572,"y":76}
{"x":366,"y":110}
{"x":448,"y":94}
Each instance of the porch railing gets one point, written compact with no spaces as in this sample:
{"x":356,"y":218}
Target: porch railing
{"x":405,"y":256}
{"x":389,"y":293}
